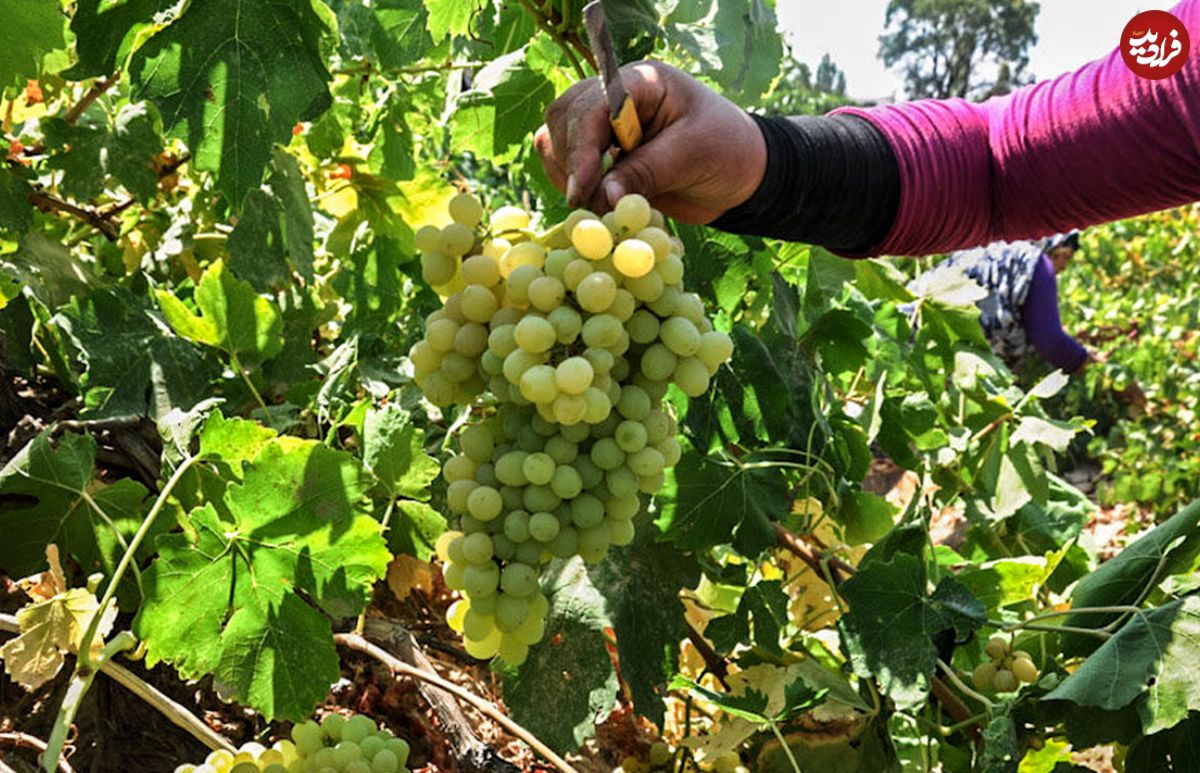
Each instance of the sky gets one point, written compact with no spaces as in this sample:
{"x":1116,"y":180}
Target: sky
{"x":1070,"y":33}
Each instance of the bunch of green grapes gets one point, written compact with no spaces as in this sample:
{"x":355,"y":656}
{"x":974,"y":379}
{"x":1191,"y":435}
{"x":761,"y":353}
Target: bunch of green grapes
{"x":576,"y":335}
{"x":1005,"y":669}
{"x":337,"y":745}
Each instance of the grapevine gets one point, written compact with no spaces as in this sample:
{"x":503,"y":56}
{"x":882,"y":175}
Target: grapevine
{"x":564,"y":346}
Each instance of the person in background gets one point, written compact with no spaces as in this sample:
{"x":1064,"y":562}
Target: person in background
{"x":1020,"y":313}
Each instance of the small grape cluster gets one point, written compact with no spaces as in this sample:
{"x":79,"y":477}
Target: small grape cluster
{"x":577,"y":334}
{"x":337,"y":745}
{"x":1006,"y":668}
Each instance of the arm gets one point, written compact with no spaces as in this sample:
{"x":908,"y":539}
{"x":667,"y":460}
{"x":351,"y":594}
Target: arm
{"x":1043,"y":327}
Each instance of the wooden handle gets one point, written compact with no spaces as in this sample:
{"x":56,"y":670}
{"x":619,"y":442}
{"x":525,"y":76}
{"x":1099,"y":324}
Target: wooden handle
{"x":627,"y":127}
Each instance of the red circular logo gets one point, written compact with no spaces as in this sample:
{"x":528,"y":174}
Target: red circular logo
{"x":1155,"y":45}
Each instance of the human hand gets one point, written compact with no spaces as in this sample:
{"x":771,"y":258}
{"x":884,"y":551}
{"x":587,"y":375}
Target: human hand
{"x":701,"y":154}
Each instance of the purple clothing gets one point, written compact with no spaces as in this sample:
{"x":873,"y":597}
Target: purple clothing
{"x":1089,"y":146}
{"x":1043,"y":327}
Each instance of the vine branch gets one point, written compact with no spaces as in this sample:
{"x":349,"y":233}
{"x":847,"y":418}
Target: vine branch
{"x":98,"y":220}
{"x":90,"y":96}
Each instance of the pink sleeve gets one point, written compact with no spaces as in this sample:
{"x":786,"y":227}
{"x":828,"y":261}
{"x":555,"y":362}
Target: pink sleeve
{"x":1090,"y":146}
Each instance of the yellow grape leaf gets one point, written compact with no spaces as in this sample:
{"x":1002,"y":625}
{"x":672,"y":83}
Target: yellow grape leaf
{"x":406,"y":573}
{"x":49,"y":629}
{"x":731,"y":732}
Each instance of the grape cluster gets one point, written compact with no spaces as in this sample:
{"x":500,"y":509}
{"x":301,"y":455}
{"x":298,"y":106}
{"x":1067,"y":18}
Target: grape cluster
{"x":337,"y":745}
{"x":577,"y":335}
{"x":1005,"y":669}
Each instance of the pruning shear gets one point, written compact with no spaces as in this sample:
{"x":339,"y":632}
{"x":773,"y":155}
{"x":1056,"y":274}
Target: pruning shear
{"x":622,"y":114}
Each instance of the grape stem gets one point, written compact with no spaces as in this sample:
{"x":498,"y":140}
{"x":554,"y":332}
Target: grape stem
{"x":786,"y":749}
{"x":27,"y":741}
{"x":358,"y":643}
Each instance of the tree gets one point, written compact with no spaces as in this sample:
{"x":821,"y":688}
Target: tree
{"x":959,"y":48}
{"x":799,"y":92}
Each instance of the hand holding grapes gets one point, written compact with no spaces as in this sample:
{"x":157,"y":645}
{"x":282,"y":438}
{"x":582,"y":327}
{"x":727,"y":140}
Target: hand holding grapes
{"x":701,"y":155}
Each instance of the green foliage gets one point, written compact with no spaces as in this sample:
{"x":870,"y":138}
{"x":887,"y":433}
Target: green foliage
{"x":945,"y":47}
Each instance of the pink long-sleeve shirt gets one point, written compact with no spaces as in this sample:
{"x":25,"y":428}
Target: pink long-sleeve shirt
{"x":1089,"y":146}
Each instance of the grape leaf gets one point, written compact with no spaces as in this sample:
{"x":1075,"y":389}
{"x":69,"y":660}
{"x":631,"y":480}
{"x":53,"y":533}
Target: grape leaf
{"x":761,"y":615}
{"x":15,"y":212}
{"x":1001,"y":753}
{"x":749,"y":44}
{"x":1033,"y":430}
{"x":32,"y":29}
{"x":640,"y":587}
{"x":231,"y":77}
{"x":89,"y":155}
{"x":49,"y":629}
{"x":504,"y":105}
{"x":713,"y":503}
{"x":49,"y":270}
{"x":105,"y":33}
{"x":888,"y":632}
{"x":232,"y":317}
{"x":47,"y":495}
{"x":369,"y":280}
{"x":1154,"y":659}
{"x":449,"y":17}
{"x":1169,"y":548}
{"x":275,"y":225}
{"x":1169,"y":751}
{"x":224,"y":598}
{"x":391,"y":33}
{"x":135,"y":366}
{"x":571,"y":663}
{"x":394,"y":450}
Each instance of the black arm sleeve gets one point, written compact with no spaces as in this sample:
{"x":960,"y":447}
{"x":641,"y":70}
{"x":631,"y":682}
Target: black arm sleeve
{"x":830,"y":180}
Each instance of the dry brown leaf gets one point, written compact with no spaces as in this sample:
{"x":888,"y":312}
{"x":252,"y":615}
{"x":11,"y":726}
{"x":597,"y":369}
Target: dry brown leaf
{"x":406,"y":573}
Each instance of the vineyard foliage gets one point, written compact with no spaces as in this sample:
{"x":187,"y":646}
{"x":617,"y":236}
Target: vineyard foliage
{"x":207,"y":218}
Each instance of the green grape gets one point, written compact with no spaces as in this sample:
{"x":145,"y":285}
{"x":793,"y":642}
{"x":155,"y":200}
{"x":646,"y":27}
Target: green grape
{"x":538,"y":384}
{"x":600,"y":359}
{"x":331,"y":727}
{"x":535,"y":334}
{"x":591,"y":239}
{"x":546,"y":293}
{"x":538,"y":468}
{"x":543,"y":526}
{"x":466,"y":209}
{"x":385,"y":761}
{"x":519,"y":580}
{"x":510,"y":468}
{"x":715,"y":348}
{"x":651,"y":484}
{"x":575,"y":272}
{"x":566,"y":483}
{"x":503,"y":220}
{"x":680,"y":336}
{"x":426,"y":238}
{"x":597,"y":405}
{"x":565,"y":544}
{"x":533,"y":629}
{"x":634,"y":403}
{"x":630,"y":436}
{"x":658,"y":362}
{"x":567,"y":323}
{"x":307,"y":737}
{"x":457,"y":368}
{"x":656,"y":425}
{"x":569,"y":409}
{"x":587,"y":511}
{"x":513,"y":651}
{"x":517,"y":287}
{"x":502,"y":340}
{"x":622,"y":508}
{"x":596,"y":292}
{"x":481,"y":270}
{"x":477,"y":548}
{"x":471,"y":340}
{"x":523,"y":255}
{"x":648,"y":461}
{"x":481,"y":579}
{"x":478,"y":303}
{"x":529,"y":440}
{"x":425,"y":358}
{"x":561,"y":450}
{"x":575,"y":434}
{"x":399,"y":747}
{"x":511,"y":611}
{"x":671,"y":269}
{"x":357,"y":766}
{"x":504,"y":548}
{"x":495,"y":248}
{"x":574,"y":375}
{"x":659,"y":753}
{"x":642,"y":327}
{"x":620,"y":369}
{"x":477,"y":625}
{"x":620,"y":533}
{"x":530,"y":552}
{"x":357,"y":728}
{"x":633,"y":258}
{"x":440,"y":334}
{"x":484,"y":605}
{"x":589,"y":472}
{"x":658,"y":239}
{"x":455,"y":239}
{"x":594,"y":542}
{"x":484,"y":503}
{"x":623,"y":305}
{"x":601,"y":331}
{"x":455,"y":576}
{"x":692,"y":376}
{"x":477,"y":443}
{"x":248,"y":766}
{"x":632,"y":213}
{"x":657,"y":390}
{"x":607,"y":455}
{"x":485,"y":475}
{"x":671,"y":451}
{"x":518,"y":362}
{"x":274,"y":767}
{"x":621,"y":482}
{"x":436,"y":268}
{"x":323,"y":758}
{"x":557,"y":261}
{"x":542,"y":427}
